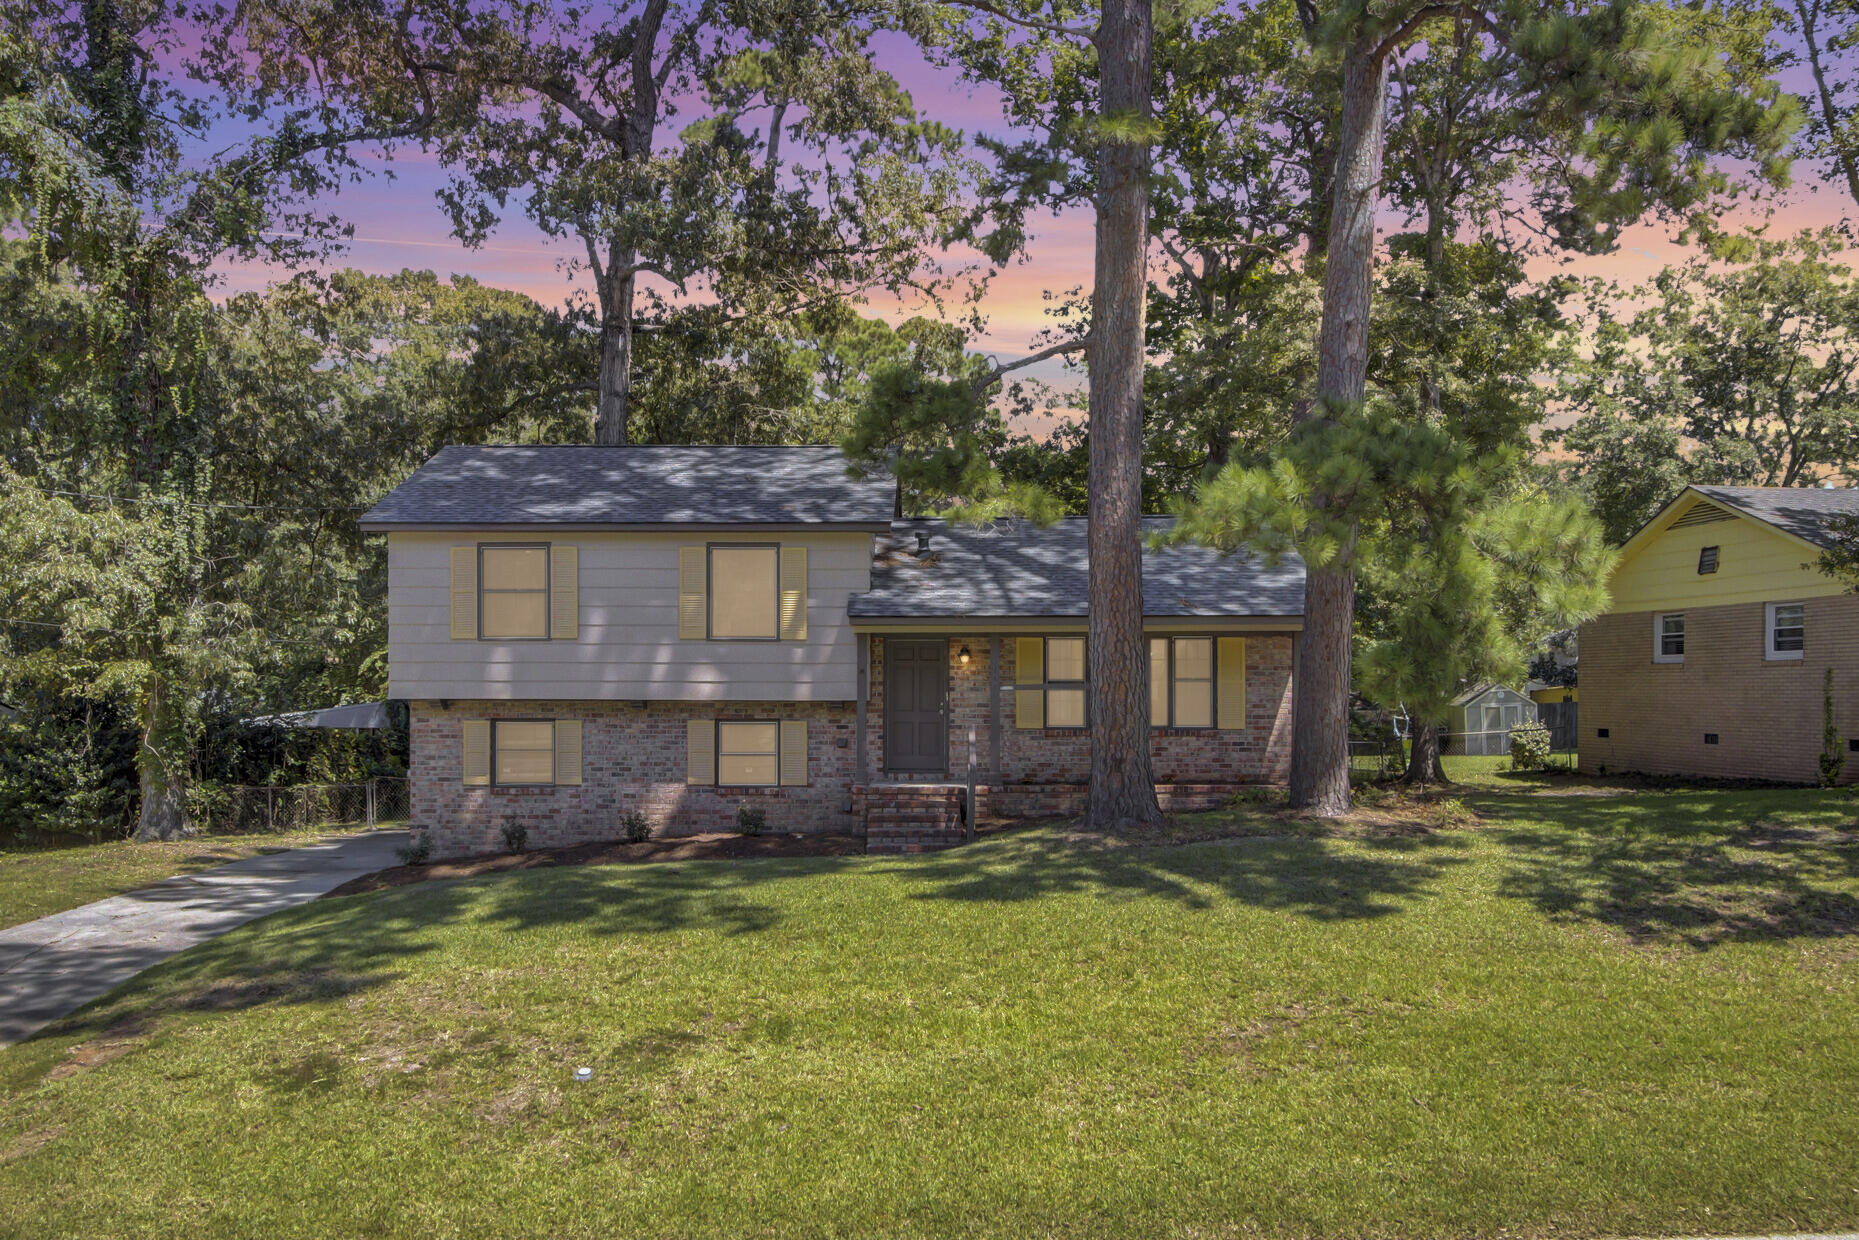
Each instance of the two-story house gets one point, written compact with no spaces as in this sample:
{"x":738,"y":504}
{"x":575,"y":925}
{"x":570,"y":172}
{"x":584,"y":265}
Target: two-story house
{"x":1714,"y":658}
{"x":583,"y":632}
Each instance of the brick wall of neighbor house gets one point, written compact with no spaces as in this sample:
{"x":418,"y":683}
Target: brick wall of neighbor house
{"x":1767,"y":715}
{"x":1053,"y":756}
{"x":633,"y":757}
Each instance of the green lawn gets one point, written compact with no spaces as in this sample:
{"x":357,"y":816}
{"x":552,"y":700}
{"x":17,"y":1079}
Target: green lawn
{"x":40,"y":880}
{"x":1607,"y":1013}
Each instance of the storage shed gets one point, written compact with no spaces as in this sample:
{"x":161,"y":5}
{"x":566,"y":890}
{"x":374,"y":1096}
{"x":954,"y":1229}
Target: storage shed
{"x":1482,"y":718}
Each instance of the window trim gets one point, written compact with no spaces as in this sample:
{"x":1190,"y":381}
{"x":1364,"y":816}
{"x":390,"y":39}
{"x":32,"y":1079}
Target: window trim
{"x":710,"y":550}
{"x":1213,"y":683}
{"x":1769,"y":653}
{"x":1048,"y":685}
{"x":716,"y":751}
{"x":548,"y":589}
{"x":496,"y":725}
{"x":1658,"y":637}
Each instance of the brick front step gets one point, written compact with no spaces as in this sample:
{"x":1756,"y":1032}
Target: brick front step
{"x":904,"y":818}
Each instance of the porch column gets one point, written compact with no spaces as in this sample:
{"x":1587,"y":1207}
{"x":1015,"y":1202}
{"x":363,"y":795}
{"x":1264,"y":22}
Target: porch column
{"x":864,"y":692}
{"x":994,"y":708}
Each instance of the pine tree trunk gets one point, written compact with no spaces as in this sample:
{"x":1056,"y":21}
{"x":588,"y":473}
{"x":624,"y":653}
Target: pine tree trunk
{"x":163,"y":814}
{"x":1320,"y":737}
{"x":1808,"y":11}
{"x":1122,"y":788}
{"x":616,"y":352}
{"x":1423,"y":765}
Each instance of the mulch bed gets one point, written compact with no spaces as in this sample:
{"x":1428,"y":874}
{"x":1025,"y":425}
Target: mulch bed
{"x":712,"y":847}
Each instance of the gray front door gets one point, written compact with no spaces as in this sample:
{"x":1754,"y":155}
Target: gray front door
{"x":916,"y":694}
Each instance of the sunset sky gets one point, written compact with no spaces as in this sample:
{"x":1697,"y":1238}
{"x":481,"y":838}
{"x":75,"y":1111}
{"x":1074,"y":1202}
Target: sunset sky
{"x":398,"y":224}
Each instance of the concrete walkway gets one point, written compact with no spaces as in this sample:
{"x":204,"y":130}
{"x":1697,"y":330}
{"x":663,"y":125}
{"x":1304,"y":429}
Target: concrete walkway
{"x":57,"y":964}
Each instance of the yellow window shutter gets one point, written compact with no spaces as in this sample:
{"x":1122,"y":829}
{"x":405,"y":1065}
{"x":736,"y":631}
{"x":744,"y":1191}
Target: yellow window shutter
{"x":464,"y":593}
{"x":567,"y":751}
{"x":794,"y":752}
{"x":693,"y":606}
{"x":1029,"y":668}
{"x":793,"y":595}
{"x":700,"y":751}
{"x":477,"y":756}
{"x":564,"y":594}
{"x":1230,"y":668}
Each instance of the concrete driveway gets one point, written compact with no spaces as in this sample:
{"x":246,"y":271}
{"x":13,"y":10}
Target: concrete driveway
{"x":55,"y":965}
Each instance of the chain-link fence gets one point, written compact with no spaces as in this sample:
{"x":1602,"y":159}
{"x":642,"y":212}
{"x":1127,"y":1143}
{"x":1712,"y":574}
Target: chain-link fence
{"x":253,"y":810}
{"x":1385,"y":757}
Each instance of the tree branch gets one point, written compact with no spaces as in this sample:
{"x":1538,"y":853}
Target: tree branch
{"x":996,"y":372}
{"x":1029,"y":23}
{"x":1432,"y":12}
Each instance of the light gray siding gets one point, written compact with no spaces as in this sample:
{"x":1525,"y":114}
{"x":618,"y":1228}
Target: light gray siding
{"x":628,"y":649}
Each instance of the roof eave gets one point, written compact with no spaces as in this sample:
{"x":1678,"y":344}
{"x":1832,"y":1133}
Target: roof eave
{"x":624,"y":527}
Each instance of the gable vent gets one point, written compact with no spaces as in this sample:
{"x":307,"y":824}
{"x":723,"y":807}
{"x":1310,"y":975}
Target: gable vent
{"x":1707,"y":561}
{"x":1700,"y":513}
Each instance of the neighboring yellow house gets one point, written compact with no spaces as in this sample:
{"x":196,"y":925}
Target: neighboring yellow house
{"x":1713,"y":660}
{"x":1554,"y":693}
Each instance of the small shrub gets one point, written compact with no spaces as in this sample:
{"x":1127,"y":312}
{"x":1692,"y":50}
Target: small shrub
{"x":416,"y":851}
{"x":1451,"y":812}
{"x":515,"y":836}
{"x":1832,"y":756}
{"x":635,"y":828}
{"x":1529,"y":747}
{"x":751,"y":819}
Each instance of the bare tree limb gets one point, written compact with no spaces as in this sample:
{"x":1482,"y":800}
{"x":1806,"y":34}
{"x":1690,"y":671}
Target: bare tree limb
{"x":1028,"y":23}
{"x":996,"y":372}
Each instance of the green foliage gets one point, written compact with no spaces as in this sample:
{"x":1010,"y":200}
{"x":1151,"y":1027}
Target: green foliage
{"x":751,"y":819}
{"x":634,"y":829}
{"x":1529,"y":747}
{"x":416,"y":851}
{"x":515,"y":836}
{"x":1841,"y":559}
{"x":1832,"y":752}
{"x":1737,"y":367}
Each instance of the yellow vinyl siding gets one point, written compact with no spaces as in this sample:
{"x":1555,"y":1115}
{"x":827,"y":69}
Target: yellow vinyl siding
{"x":1755,"y":564}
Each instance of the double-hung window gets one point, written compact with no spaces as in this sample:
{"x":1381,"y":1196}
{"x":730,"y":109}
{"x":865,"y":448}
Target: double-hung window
{"x":1181,"y":682}
{"x":745,"y":593}
{"x":1065,"y":682}
{"x":523,"y":751}
{"x":513,"y":592}
{"x":1786,"y":628}
{"x":748,"y":755}
{"x":1668,"y":637}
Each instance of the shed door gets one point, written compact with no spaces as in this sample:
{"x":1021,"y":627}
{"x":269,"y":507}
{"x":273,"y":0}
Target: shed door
{"x":916,"y":691}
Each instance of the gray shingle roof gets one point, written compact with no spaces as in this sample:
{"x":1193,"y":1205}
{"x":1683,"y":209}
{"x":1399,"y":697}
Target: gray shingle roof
{"x":1014,"y":569}
{"x":581,"y":484}
{"x":1802,"y":511}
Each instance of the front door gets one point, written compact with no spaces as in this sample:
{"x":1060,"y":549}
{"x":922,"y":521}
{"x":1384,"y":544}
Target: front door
{"x":916,"y":701}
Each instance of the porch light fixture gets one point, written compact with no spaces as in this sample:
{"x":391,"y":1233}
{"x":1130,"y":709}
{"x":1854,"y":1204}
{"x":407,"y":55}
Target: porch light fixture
{"x":963,"y":656}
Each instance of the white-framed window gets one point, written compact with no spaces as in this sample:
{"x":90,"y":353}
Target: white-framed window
{"x":523,"y":751}
{"x":1668,"y":637}
{"x":745,"y":593}
{"x":513,"y":592}
{"x":1785,"y":629}
{"x":748,"y":753}
{"x":1065,"y":682}
{"x":1181,"y":682}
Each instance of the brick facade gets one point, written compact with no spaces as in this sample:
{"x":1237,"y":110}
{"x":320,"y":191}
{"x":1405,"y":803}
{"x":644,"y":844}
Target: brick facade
{"x":1766,"y":714}
{"x":634,"y":758}
{"x":1260,"y":754}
